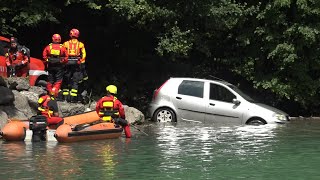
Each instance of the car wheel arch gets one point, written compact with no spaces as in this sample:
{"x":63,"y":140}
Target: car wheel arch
{"x":256,"y":121}
{"x":41,"y":80}
{"x":165,"y":108}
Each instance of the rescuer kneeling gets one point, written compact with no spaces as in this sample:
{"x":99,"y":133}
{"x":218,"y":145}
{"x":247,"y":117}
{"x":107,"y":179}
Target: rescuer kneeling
{"x":110,"y":109}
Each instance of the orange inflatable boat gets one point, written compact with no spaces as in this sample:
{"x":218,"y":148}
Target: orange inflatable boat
{"x":104,"y":130}
{"x":15,"y":130}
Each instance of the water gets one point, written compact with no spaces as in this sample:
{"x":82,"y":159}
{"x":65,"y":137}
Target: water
{"x":181,"y":151}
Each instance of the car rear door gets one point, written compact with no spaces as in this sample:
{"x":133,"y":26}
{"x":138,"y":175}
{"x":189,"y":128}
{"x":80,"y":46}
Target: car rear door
{"x":189,"y":100}
{"x":220,"y":108}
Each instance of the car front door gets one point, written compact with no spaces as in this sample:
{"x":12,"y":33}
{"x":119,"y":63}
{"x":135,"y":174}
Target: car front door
{"x":189,"y":101}
{"x":220,"y":108}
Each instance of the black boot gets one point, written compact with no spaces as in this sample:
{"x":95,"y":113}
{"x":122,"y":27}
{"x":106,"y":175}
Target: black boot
{"x":73,"y":99}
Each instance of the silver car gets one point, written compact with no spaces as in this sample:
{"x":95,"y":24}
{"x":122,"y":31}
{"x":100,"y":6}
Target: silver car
{"x":216,"y":101}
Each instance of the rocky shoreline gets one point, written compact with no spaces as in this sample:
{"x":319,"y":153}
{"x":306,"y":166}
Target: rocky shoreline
{"x":19,"y":100}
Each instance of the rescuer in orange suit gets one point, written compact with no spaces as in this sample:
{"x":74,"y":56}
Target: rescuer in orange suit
{"x":75,"y":70}
{"x":110,"y":109}
{"x":48,"y":107}
{"x":17,"y":59}
{"x":55,"y":57}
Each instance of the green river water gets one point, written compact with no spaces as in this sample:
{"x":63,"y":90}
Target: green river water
{"x":175,"y":151}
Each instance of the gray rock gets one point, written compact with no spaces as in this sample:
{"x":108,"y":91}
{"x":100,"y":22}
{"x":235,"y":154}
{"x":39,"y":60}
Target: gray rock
{"x":18,"y":83}
{"x":133,"y":115}
{"x":13,"y":113}
{"x":22,"y":104}
{"x":6,"y":96}
{"x":69,"y":109}
{"x":20,"y":101}
{"x":3,"y":118}
{"x":32,"y":99}
{"x":3,"y":82}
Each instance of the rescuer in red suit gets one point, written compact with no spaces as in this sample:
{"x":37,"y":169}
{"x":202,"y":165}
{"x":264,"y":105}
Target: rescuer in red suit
{"x":55,"y":57}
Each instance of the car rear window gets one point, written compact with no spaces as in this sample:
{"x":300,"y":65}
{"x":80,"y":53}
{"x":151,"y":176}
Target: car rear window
{"x":191,"y":88}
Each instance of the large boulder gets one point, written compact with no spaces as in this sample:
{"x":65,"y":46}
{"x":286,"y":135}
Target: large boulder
{"x":3,"y":82}
{"x":133,"y":115}
{"x":6,"y":96}
{"x":32,"y":99}
{"x":22,"y":104}
{"x":69,"y":109}
{"x":13,"y":113}
{"x":18,"y":83}
{"x":20,"y":101}
{"x":3,"y":118}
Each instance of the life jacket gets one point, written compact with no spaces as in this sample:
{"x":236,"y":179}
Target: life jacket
{"x":107,"y":110}
{"x":55,"y":51}
{"x":73,"y":47}
{"x":43,"y":105}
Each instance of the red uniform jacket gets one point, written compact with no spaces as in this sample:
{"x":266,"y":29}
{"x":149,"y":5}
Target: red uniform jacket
{"x":15,"y":57}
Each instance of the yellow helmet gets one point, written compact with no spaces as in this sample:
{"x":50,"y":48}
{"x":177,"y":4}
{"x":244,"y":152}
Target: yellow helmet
{"x":112,"y":89}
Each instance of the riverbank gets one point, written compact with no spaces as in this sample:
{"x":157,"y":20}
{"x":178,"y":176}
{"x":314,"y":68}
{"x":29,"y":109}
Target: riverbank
{"x":19,"y":100}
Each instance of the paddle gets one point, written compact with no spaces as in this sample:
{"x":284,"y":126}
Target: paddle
{"x":85,"y":125}
{"x":139,"y":129}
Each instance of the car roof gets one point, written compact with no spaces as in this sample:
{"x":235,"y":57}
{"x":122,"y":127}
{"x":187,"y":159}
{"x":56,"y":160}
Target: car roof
{"x":205,"y":80}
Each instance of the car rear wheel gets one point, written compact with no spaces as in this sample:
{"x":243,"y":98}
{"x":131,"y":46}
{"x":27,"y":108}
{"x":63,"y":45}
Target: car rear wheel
{"x":41,"y":83}
{"x":164,"y":115}
{"x":256,"y":122}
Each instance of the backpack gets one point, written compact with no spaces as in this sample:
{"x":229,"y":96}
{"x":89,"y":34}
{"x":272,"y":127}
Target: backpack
{"x":26,"y":51}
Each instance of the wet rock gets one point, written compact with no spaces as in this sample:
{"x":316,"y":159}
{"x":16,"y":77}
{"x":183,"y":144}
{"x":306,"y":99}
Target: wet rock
{"x":2,"y":82}
{"x":18,"y":83}
{"x":133,"y":115}
{"x":6,"y":96}
{"x":21,"y":102}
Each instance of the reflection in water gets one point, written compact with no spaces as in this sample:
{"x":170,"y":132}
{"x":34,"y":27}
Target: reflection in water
{"x":174,"y":151}
{"x":57,"y":161}
{"x":182,"y":145}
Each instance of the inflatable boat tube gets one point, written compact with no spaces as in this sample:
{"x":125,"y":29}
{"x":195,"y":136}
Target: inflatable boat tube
{"x":15,"y":130}
{"x":66,"y":133}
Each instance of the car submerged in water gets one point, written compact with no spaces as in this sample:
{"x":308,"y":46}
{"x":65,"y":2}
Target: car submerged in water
{"x":216,"y":101}
{"x":37,"y":73}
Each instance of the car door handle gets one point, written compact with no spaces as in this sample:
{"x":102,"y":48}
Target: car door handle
{"x":178,"y":97}
{"x":211,"y":104}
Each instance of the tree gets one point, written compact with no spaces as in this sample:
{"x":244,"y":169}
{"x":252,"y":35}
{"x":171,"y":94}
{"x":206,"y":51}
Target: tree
{"x":15,"y":14}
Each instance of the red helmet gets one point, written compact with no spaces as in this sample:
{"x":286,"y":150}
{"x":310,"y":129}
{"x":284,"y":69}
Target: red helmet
{"x":74,"y":33}
{"x":56,"y":38}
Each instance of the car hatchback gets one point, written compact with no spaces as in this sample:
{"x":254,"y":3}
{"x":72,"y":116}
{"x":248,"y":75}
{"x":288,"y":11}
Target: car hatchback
{"x":216,"y":101}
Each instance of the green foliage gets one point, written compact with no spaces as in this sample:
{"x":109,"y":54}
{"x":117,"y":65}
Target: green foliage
{"x":273,"y":44}
{"x":25,"y":13}
{"x":285,"y":50}
{"x":176,"y":42}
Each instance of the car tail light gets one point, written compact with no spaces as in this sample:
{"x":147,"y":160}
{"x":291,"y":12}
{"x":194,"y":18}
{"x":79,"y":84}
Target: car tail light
{"x":156,"y":92}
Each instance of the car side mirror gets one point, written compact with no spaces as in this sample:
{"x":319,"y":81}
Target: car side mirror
{"x":236,"y":101}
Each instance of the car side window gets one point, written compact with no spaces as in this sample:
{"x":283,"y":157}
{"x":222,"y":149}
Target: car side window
{"x":220,"y":93}
{"x":191,"y":88}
